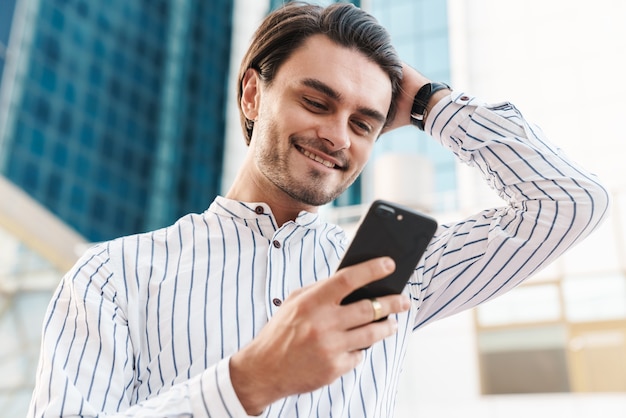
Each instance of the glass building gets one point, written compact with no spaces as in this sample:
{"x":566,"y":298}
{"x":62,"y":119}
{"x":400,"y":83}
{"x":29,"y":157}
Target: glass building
{"x":6,"y":13}
{"x":113,"y":112}
{"x":419,"y":31}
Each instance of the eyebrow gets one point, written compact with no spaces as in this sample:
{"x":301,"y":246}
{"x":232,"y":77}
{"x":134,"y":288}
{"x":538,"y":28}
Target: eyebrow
{"x":333,"y":94}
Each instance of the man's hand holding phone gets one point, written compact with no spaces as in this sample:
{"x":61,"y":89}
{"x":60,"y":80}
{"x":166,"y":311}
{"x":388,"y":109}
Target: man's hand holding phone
{"x":319,"y":332}
{"x":314,"y":339}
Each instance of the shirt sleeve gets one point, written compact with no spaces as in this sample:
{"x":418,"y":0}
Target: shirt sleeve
{"x":551,"y":204}
{"x":86,"y":366}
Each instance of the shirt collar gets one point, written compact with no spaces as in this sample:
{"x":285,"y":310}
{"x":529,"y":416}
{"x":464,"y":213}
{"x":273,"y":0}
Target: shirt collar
{"x":259,"y":211}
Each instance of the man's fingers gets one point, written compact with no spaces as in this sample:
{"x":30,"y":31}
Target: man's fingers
{"x":350,"y":278}
{"x":365,"y":311}
{"x":367,"y":335}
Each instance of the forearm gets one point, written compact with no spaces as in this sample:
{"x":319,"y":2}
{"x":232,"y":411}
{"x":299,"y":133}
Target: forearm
{"x":412,"y":82}
{"x":514,"y":157}
{"x":208,"y":394}
{"x":552,"y":204}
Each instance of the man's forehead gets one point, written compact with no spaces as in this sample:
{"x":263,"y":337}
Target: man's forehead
{"x":335,"y":65}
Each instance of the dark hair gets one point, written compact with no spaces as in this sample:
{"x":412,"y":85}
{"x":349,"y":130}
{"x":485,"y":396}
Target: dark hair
{"x":285,"y":30}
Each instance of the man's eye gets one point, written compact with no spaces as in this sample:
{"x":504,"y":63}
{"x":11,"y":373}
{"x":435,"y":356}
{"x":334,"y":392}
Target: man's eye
{"x":362,"y":127}
{"x":314,"y":104}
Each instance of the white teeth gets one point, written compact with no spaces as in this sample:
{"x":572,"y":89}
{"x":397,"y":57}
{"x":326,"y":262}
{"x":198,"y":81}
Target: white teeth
{"x":318,"y":159}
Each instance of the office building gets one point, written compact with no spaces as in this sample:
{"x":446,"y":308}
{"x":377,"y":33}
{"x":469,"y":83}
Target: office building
{"x":6,"y":15}
{"x":113,"y":113}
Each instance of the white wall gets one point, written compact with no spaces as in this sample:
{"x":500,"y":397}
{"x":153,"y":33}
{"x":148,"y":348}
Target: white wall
{"x":561,"y":62}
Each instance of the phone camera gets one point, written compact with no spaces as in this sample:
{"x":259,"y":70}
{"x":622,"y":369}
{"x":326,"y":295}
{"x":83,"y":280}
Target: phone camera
{"x":385,"y":211}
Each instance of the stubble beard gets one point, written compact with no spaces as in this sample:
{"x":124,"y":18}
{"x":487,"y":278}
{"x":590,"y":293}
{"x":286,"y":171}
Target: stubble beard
{"x":274,"y":165}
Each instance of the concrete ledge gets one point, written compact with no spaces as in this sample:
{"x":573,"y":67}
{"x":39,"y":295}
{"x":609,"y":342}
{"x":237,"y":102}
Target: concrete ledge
{"x":38,"y":228}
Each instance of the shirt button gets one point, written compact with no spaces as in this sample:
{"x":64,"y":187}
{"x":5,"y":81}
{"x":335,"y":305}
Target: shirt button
{"x":464,"y":98}
{"x":277,"y":302}
{"x":259,"y":210}
{"x":276,"y":244}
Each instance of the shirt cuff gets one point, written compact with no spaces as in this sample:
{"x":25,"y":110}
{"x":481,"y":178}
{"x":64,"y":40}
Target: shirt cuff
{"x":449,"y":113}
{"x":215,"y":395}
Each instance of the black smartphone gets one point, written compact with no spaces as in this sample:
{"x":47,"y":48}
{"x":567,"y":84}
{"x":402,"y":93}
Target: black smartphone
{"x":389,"y":229}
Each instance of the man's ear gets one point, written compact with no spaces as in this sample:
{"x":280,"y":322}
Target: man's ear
{"x":250,"y":97}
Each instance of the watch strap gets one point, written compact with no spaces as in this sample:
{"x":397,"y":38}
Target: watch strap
{"x":419,"y":110}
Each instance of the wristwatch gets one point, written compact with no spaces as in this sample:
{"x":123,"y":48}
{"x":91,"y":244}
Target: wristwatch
{"x":419,"y":111}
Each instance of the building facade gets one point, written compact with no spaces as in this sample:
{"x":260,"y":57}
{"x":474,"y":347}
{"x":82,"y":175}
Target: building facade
{"x":420,"y":32}
{"x":6,"y":16}
{"x":113,"y":113}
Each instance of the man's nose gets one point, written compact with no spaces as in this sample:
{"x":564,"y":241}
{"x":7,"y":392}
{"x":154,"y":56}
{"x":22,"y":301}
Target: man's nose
{"x":336,"y":132}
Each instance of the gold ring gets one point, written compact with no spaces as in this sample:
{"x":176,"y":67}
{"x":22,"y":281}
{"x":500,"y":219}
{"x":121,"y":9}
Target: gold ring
{"x":377,"y":308}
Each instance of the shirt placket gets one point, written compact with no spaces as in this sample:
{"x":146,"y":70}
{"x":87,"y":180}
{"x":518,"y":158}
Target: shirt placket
{"x":279,"y":266}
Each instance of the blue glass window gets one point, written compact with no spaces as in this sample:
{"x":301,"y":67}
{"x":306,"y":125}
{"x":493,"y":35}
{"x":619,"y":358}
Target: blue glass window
{"x":53,"y":186}
{"x":48,"y":79}
{"x":97,"y":72}
{"x":65,"y":122}
{"x":59,"y":154}
{"x":41,"y":110}
{"x":87,"y":135}
{"x":77,"y":199}
{"x":37,"y":146}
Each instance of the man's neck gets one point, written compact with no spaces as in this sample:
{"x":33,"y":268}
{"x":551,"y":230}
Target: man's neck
{"x":284,"y":208}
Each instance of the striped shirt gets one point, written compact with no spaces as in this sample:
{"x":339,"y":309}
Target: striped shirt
{"x":144,"y":326}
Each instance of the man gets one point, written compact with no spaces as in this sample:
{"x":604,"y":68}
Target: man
{"x":236,"y":311}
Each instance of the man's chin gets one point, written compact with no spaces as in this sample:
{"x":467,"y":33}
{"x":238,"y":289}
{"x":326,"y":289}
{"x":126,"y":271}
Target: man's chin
{"x":312,"y":200}
{"x":312,"y":197}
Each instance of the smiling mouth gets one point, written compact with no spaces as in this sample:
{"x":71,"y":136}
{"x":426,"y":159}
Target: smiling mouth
{"x":317,"y":158}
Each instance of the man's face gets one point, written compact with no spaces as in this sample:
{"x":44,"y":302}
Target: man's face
{"x":317,"y":121}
